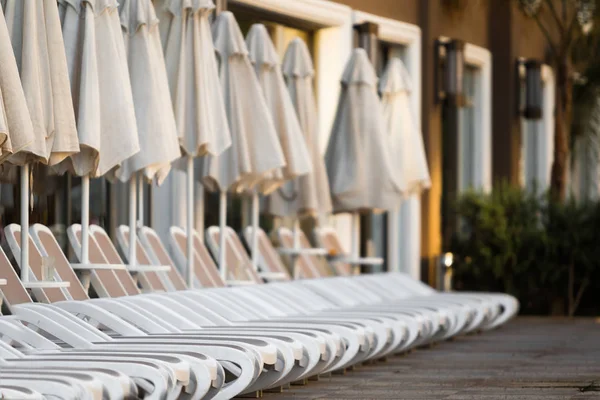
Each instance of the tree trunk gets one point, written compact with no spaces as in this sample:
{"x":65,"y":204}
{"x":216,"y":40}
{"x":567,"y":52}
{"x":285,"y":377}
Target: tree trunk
{"x":562,"y":126}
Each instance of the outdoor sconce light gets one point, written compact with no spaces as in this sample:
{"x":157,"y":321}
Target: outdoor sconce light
{"x":529,"y":74}
{"x":368,"y":39}
{"x":450,"y":57}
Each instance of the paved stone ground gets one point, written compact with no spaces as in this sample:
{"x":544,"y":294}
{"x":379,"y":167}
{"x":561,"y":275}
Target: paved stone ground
{"x":530,"y":358}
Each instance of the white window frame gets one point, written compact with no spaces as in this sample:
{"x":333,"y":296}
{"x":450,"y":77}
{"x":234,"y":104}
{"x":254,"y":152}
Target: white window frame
{"x":404,"y":224}
{"x":481,"y":59}
{"x":547,"y":147}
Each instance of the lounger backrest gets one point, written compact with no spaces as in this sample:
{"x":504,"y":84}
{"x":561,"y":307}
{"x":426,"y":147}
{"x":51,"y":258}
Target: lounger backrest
{"x":149,"y":281}
{"x":243,"y":256}
{"x":239,"y":267}
{"x":205,"y":270}
{"x":13,"y":292}
{"x":49,"y":247}
{"x":269,"y":260}
{"x":13,"y":235}
{"x":108,"y":283}
{"x":210,"y":266}
{"x":154,"y":247}
{"x":328,"y":239}
{"x":309,"y":266}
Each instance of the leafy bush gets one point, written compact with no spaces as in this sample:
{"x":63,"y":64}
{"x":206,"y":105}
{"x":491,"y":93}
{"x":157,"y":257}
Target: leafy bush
{"x":545,"y":253}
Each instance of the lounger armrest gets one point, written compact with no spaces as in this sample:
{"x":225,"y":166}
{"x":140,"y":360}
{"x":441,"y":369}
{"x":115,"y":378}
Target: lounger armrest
{"x":273,"y":276}
{"x":2,"y":282}
{"x":315,"y":251}
{"x":239,"y":283}
{"x":364,"y":261}
{"x":149,"y":268}
{"x":45,"y":285}
{"x":95,"y":267}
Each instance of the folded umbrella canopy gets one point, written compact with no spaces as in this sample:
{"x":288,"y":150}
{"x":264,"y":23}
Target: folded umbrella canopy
{"x":308,"y":194}
{"x":264,"y":57}
{"x":157,"y":132}
{"x":255,"y":152}
{"x":406,"y":146}
{"x":16,"y":129}
{"x":405,"y":141}
{"x":195,"y":93}
{"x":37,"y":41}
{"x":361,"y":174}
{"x":34,"y":28}
{"x":267,"y":66}
{"x":193,"y":75}
{"x":101,"y":93}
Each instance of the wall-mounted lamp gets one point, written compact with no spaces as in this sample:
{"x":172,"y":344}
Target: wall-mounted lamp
{"x":367,"y":39}
{"x":529,"y":74}
{"x":450,"y":57}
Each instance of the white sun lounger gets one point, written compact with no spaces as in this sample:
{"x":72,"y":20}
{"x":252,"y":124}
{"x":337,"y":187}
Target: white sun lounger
{"x":357,"y":342}
{"x":284,"y":341}
{"x":382,"y":332}
{"x":190,"y":353}
{"x":319,"y":358}
{"x":47,"y":354}
{"x":229,"y":313}
{"x":460,"y":316}
{"x":505,"y":308}
{"x":311,"y":350}
{"x":19,"y":392}
{"x":144,"y":311}
{"x":299,"y":295}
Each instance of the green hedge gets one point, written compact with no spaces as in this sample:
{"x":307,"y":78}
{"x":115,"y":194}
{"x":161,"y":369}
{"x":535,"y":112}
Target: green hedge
{"x":519,"y":242}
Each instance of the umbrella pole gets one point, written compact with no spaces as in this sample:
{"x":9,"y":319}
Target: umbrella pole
{"x":222,"y":233}
{"x":199,"y":209}
{"x":132,"y":220}
{"x":85,"y":219}
{"x":355,"y":236}
{"x":296,"y":246}
{"x":25,"y":223}
{"x":296,"y":233}
{"x":140,"y":209}
{"x":190,"y":221}
{"x":255,"y":218}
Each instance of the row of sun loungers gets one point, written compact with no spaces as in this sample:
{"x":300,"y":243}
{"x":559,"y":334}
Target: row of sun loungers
{"x":109,"y":330}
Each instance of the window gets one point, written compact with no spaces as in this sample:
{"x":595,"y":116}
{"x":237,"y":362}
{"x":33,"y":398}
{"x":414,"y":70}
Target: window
{"x":531,"y":175}
{"x":388,"y":231}
{"x":402,"y":234}
{"x":584,"y":179}
{"x":467,"y":130}
{"x":467,"y":133}
{"x":537,"y":140}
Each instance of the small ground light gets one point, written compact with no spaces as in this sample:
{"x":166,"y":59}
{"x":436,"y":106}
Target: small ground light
{"x":447,"y":262}
{"x":448,"y":259}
